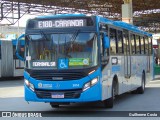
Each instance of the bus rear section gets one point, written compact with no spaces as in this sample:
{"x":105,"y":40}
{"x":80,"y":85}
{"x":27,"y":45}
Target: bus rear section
{"x":10,"y":65}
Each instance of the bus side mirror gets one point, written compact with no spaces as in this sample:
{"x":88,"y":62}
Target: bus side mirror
{"x":106,"y":43}
{"x":18,"y":47}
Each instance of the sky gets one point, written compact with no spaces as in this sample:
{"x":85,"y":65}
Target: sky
{"x":23,"y":20}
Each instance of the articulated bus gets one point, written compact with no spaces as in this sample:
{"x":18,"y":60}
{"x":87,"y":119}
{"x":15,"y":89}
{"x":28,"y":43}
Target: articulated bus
{"x":10,"y":65}
{"x":74,"y":58}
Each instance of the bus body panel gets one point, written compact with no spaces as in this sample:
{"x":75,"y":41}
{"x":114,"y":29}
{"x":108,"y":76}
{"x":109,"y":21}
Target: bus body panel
{"x":18,"y":67}
{"x":7,"y":59}
{"x":91,"y":94}
{"x":138,"y":65}
{"x":10,"y":66}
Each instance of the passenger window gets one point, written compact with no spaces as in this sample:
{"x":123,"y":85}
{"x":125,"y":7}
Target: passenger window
{"x":142,"y":45}
{"x":126,"y":42}
{"x":133,"y":44}
{"x":146,"y":45}
{"x":120,"y":42}
{"x":137,"y":44}
{"x":150,"y":45}
{"x":113,"y":39}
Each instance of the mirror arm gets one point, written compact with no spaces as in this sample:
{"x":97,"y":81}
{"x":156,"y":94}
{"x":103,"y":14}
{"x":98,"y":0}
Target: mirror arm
{"x":19,"y":57}
{"x":104,"y":61}
{"x":17,"y":54}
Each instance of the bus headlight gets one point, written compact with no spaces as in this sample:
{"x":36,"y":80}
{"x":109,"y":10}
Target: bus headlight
{"x":30,"y":85}
{"x":90,"y":84}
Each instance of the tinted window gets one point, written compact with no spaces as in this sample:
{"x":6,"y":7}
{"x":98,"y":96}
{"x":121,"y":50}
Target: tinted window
{"x":142,"y":45}
{"x":113,"y":38}
{"x":146,"y":45}
{"x":137,"y":45}
{"x":126,"y":42}
{"x":150,"y":45}
{"x":133,"y":44}
{"x":120,"y":42}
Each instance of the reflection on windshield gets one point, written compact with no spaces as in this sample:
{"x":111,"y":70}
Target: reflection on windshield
{"x":77,"y":52}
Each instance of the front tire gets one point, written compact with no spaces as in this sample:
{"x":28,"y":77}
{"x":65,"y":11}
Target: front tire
{"x":54,"y":105}
{"x":108,"y":103}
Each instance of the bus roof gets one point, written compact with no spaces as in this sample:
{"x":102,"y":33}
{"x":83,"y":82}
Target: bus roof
{"x":130,"y":27}
{"x":123,"y":25}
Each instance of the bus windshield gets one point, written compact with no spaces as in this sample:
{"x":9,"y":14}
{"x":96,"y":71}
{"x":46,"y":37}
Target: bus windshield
{"x":76,"y":50}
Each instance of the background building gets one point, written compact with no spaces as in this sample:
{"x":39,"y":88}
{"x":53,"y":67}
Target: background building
{"x":10,"y":32}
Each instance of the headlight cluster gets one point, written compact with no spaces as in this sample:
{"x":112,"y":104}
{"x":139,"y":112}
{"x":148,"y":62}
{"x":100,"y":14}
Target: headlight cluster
{"x":90,"y":84}
{"x":30,"y":85}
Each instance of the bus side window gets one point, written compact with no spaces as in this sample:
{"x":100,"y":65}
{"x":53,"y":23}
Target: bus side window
{"x":126,"y":42}
{"x":146,"y":45}
{"x":150,"y":46}
{"x":113,"y":39}
{"x":137,"y":44}
{"x":120,"y":42}
{"x":133,"y":44}
{"x":104,"y":52}
{"x":142,"y":45}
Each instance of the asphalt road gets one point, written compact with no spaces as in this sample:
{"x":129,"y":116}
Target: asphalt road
{"x":11,"y":99}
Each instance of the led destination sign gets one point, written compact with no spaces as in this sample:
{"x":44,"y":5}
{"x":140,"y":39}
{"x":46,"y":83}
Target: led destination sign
{"x":61,"y":23}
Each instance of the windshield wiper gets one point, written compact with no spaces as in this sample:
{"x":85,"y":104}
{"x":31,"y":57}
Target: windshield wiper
{"x":74,"y":37}
{"x":42,"y":33}
{"x":28,"y":38}
{"x":66,"y":49}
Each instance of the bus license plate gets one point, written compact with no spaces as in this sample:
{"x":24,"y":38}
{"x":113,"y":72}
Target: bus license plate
{"x":57,"y":95}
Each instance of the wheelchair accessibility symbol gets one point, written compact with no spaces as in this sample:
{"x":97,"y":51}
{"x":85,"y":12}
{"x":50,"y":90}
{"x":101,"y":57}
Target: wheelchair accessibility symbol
{"x":62,"y":63}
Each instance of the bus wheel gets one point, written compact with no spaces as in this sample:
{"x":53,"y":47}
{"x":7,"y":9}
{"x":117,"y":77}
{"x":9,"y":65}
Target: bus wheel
{"x":141,"y":89}
{"x":53,"y":105}
{"x":110,"y":102}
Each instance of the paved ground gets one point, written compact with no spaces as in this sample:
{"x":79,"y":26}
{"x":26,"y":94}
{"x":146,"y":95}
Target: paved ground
{"x":11,"y":99}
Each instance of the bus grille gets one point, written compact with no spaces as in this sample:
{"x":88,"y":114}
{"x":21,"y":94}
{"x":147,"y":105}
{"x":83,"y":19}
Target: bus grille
{"x":46,"y":94}
{"x":54,"y":76}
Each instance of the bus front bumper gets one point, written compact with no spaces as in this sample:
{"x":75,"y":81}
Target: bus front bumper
{"x":91,"y":94}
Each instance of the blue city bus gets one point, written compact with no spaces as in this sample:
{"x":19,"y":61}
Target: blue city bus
{"x":73,"y":58}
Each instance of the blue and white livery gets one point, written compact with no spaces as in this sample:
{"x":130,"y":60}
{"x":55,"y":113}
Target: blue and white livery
{"x":78,"y":58}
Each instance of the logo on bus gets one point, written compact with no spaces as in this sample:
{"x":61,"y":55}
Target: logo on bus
{"x":40,"y":85}
{"x":57,"y":85}
{"x":63,"y":63}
